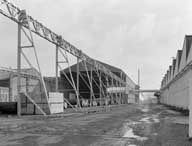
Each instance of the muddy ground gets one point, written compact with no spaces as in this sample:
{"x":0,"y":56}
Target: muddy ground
{"x":126,"y":125}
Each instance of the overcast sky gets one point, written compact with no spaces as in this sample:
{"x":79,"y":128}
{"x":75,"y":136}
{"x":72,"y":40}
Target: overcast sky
{"x":128,"y":34}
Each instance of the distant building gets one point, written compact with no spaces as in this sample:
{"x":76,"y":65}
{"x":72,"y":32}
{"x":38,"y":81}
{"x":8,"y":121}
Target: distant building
{"x":69,"y":93}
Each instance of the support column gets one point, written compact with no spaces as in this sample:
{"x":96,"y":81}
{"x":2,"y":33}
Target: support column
{"x":56,"y":69}
{"x":100,"y":86}
{"x":112,"y":83}
{"x":107,"y":93}
{"x":111,"y":93}
{"x":78,"y":81}
{"x":116,"y":85}
{"x":119,"y":100}
{"x":19,"y":71}
{"x":91,"y":85}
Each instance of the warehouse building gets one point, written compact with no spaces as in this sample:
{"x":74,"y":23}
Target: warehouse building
{"x":30,"y":84}
{"x":175,"y":85}
{"x":105,"y":90}
{"x":116,"y":93}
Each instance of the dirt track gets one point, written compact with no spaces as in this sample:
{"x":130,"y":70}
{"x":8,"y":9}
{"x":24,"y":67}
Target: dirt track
{"x":128,"y":125}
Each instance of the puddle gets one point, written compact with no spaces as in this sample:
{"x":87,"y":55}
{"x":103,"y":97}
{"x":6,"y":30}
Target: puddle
{"x":130,"y":122}
{"x":156,"y":120}
{"x":155,"y":134}
{"x":128,"y":133}
{"x":150,"y":119}
{"x":145,"y":110}
{"x":145,"y":119}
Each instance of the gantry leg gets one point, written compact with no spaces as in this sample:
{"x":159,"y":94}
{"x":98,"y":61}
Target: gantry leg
{"x":19,"y":71}
{"x":100,"y":88}
{"x":56,"y":70}
{"x":91,"y":85}
{"x":78,"y":94}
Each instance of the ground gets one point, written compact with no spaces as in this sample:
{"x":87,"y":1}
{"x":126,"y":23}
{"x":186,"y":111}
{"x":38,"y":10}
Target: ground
{"x":126,"y":125}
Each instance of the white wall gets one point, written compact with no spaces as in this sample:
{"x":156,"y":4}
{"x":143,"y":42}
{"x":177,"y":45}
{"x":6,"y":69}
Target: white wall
{"x":177,"y":94}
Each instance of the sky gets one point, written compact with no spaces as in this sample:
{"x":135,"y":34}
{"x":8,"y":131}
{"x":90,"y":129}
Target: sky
{"x":128,"y":34}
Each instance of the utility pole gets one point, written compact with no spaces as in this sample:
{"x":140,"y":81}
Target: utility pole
{"x":138,"y":77}
{"x":138,"y":88}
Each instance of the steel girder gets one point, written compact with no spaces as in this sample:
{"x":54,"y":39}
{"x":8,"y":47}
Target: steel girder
{"x":13,"y":12}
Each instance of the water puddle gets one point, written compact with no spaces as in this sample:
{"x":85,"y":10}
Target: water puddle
{"x":130,"y":134}
{"x":155,"y":134}
{"x":147,"y":119}
{"x":131,"y":123}
{"x":150,"y":119}
{"x":156,"y":120}
{"x":145,"y":110}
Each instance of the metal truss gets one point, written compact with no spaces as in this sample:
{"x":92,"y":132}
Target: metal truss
{"x":101,"y":84}
{"x":26,"y":22}
{"x":90,"y":79}
{"x":70,"y":80}
{"x":20,"y":53}
{"x":13,"y":12}
{"x":89,"y":85}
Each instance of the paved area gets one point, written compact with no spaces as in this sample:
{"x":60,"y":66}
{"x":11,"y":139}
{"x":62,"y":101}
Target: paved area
{"x":127,"y":125}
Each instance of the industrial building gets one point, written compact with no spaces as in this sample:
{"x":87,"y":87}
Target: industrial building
{"x":89,"y":83}
{"x":103,"y":94}
{"x":176,"y":85}
{"x":102,"y":87}
{"x":30,"y":84}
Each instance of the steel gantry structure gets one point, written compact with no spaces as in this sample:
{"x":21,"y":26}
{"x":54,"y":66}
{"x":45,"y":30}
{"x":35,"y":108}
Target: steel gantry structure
{"x":28,"y":26}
